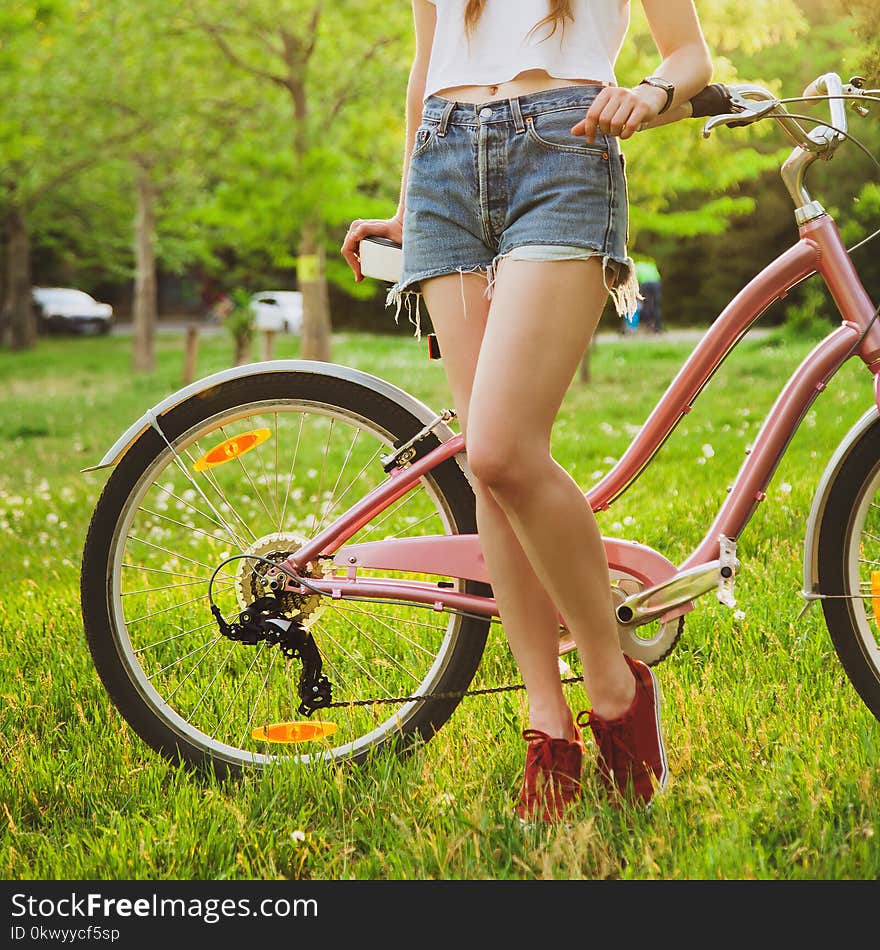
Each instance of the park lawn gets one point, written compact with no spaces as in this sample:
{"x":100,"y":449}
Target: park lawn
{"x":773,"y":757}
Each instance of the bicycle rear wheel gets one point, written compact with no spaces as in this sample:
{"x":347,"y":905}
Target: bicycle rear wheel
{"x":255,"y":467}
{"x":849,"y":566}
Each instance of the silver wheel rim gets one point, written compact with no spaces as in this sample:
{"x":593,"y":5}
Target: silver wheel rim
{"x":137,"y":560}
{"x":863,"y":560}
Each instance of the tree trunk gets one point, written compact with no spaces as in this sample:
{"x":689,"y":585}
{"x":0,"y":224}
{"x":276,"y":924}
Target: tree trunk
{"x":145,"y":310}
{"x":312,"y":280}
{"x":18,"y":307}
{"x":243,"y":342}
{"x":190,"y":353}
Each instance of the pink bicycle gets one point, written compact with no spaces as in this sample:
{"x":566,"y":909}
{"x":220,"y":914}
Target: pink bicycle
{"x":289,"y":538}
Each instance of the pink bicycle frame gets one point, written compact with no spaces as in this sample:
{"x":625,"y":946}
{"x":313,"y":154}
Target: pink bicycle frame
{"x":819,"y":249}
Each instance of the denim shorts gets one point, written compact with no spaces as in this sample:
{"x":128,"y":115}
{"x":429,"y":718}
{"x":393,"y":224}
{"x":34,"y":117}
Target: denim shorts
{"x":507,"y":178}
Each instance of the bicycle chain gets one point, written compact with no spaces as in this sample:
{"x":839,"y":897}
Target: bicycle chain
{"x":453,"y":695}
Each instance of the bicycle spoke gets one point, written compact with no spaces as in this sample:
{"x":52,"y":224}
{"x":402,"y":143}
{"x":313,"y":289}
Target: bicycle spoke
{"x":330,"y":508}
{"x":212,"y":481}
{"x":247,"y":728}
{"x":162,"y":570}
{"x":244,"y":679}
{"x":180,"y":524}
{"x":302,"y":419}
{"x":165,"y":610}
{"x":173,"y":692}
{"x":195,"y":708}
{"x":356,"y":662}
{"x":186,"y":474}
{"x":177,"y":636}
{"x":393,"y":659}
{"x":397,"y":633}
{"x":152,"y":590}
{"x":159,"y":547}
{"x":407,"y":499}
{"x":411,"y":527}
{"x":180,"y":659}
{"x":247,"y":474}
{"x":313,"y":529}
{"x":187,"y":504}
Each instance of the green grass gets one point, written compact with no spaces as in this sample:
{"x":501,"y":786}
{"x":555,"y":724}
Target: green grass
{"x":774,"y":758}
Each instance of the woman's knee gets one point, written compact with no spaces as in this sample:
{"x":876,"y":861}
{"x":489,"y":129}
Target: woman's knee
{"x":503,"y":466}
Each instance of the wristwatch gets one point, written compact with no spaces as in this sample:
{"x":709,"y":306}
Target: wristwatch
{"x":663,"y":84}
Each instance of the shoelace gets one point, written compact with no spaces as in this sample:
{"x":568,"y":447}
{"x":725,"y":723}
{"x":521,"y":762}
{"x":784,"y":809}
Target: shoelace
{"x":621,"y":753}
{"x":539,"y":752}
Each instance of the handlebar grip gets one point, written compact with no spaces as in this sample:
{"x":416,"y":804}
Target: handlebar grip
{"x":713,"y":100}
{"x":812,"y":90}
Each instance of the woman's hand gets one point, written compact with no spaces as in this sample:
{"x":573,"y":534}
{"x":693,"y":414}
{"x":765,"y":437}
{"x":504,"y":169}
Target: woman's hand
{"x":391,"y":228}
{"x":620,"y":111}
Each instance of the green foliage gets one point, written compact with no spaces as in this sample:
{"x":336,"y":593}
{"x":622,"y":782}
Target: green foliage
{"x":255,"y":117}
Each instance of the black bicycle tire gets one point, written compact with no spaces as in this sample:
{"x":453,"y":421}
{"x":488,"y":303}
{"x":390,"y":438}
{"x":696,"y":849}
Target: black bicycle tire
{"x":835,"y":539}
{"x":448,"y":478}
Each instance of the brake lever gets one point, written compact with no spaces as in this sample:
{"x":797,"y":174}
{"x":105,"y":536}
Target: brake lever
{"x":750,"y":110}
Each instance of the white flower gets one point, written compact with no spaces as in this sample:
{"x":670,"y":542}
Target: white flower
{"x":708,"y":451}
{"x":298,"y":835}
{"x":739,"y":615}
{"x":785,"y":487}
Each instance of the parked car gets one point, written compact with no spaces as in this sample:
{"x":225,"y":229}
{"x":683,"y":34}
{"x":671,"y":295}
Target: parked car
{"x":279,"y":310}
{"x":64,"y":308}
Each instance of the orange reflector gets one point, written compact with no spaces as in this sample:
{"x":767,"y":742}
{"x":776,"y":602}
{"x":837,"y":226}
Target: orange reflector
{"x":294,"y":731}
{"x":231,"y":449}
{"x":875,"y":593}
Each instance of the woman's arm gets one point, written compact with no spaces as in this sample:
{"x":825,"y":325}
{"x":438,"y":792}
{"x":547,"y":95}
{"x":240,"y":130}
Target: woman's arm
{"x":425,"y":18}
{"x":686,"y":63}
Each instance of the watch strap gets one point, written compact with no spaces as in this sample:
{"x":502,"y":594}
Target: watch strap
{"x":663,"y":84}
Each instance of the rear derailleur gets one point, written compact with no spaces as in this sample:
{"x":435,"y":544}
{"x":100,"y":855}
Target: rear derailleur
{"x":264,"y":621}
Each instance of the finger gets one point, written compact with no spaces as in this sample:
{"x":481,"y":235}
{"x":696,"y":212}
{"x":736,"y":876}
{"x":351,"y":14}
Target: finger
{"x":619,"y":119}
{"x":634,"y":122}
{"x":580,"y":128}
{"x":591,"y":119}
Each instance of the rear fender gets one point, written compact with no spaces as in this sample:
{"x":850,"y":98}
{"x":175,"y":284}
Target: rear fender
{"x":200,"y":388}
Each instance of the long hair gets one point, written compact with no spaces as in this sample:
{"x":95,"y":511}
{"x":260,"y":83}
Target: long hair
{"x":560,"y":11}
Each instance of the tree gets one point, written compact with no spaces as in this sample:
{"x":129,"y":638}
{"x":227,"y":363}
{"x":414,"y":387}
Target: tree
{"x":49,"y":134}
{"x":320,"y":70}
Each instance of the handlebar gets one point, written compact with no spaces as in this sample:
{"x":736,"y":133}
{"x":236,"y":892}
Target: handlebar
{"x":742,"y":104}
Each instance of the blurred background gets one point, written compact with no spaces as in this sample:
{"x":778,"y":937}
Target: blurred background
{"x":164,"y":162}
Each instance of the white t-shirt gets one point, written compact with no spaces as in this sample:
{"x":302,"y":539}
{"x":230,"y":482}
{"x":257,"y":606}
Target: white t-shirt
{"x":500,"y":47}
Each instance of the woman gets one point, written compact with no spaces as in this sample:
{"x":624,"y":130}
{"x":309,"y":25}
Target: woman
{"x":513,"y":222}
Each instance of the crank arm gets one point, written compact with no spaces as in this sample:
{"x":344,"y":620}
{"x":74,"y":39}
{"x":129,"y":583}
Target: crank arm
{"x":652,"y":602}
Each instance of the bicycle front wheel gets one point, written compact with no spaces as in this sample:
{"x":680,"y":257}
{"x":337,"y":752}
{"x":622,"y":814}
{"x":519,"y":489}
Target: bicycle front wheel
{"x":849,"y":566}
{"x":251,"y":470}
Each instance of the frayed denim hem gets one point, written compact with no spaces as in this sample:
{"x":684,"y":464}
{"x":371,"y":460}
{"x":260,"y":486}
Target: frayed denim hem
{"x":618,"y":274}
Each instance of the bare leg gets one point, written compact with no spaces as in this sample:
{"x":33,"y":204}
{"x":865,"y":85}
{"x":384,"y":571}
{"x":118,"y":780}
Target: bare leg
{"x":540,"y":322}
{"x":529,"y":615}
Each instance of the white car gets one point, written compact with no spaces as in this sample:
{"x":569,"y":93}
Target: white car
{"x":279,"y":310}
{"x":64,"y":308}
